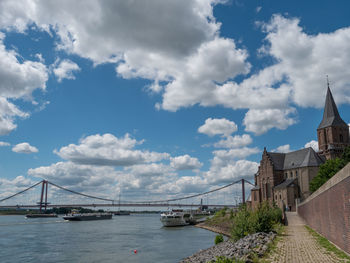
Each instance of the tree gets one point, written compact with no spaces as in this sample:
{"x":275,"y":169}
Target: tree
{"x":329,"y":169}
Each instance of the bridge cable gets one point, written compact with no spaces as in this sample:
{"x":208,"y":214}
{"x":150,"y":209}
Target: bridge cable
{"x":21,"y":192}
{"x":77,"y":193}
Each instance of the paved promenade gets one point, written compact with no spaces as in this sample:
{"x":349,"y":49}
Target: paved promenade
{"x":298,"y":245}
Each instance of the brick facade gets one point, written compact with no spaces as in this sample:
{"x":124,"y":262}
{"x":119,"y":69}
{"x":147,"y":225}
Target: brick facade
{"x":328,"y":209}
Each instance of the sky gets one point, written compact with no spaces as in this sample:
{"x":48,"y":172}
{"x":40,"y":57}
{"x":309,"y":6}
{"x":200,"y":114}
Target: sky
{"x":163,"y":98}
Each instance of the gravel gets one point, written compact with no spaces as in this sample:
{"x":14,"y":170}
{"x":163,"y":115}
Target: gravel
{"x":257,"y":243}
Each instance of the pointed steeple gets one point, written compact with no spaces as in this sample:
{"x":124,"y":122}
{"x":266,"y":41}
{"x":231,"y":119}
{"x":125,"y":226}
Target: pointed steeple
{"x":331,"y":115}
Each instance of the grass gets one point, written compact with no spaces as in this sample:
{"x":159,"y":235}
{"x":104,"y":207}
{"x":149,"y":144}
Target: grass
{"x":328,"y":245}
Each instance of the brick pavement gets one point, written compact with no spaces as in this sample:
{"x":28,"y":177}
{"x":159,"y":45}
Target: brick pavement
{"x":299,"y":246}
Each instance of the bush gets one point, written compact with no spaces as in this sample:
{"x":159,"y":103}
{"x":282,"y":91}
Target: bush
{"x":243,"y":224}
{"x":219,"y":239}
{"x":248,"y":221}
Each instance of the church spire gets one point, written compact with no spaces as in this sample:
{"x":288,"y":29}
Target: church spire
{"x":331,"y":115}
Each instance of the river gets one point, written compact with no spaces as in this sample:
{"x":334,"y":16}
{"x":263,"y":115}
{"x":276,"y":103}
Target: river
{"x":55,"y":240}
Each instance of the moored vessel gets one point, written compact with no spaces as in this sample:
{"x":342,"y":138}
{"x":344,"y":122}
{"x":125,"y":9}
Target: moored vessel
{"x":173,"y":218}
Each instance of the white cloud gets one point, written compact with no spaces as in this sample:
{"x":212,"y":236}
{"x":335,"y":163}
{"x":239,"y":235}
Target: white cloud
{"x":185,"y":162}
{"x":19,"y":80}
{"x":9,"y":187}
{"x":313,"y":144}
{"x":231,"y":171}
{"x":65,"y":70}
{"x":236,"y":141}
{"x":225,"y":156}
{"x":24,"y":147}
{"x":99,"y":180}
{"x":185,"y":57}
{"x":306,"y":59}
{"x":4,"y":144}
{"x":107,"y":149}
{"x":213,"y":127}
{"x":8,"y":113}
{"x":260,"y":121}
{"x":282,"y":149}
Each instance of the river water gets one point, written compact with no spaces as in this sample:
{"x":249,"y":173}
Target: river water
{"x":56,"y":240}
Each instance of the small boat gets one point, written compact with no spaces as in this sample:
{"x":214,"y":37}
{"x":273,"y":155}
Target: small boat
{"x":173,"y":218}
{"x":122,"y":213}
{"x":40,"y":215}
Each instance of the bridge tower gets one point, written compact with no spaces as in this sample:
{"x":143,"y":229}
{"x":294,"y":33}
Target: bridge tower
{"x":44,"y":189}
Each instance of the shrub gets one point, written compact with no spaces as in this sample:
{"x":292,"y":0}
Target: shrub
{"x":243,"y":224}
{"x":219,"y":239}
{"x":248,"y":221}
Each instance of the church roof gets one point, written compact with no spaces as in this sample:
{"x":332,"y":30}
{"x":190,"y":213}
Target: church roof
{"x":284,"y":184}
{"x":302,"y":158}
{"x":331,"y":115}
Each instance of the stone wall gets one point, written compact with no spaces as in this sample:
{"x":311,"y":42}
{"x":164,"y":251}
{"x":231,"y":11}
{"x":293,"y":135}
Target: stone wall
{"x":328,"y":209}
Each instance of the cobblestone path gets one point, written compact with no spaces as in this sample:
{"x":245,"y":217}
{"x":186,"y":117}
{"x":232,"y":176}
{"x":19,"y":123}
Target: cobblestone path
{"x":298,"y":245}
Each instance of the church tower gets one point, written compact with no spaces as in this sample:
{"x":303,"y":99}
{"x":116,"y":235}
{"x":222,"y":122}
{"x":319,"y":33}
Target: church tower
{"x":333,"y":132}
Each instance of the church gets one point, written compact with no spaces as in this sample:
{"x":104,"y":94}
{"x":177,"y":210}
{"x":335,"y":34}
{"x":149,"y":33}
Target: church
{"x":284,"y":178}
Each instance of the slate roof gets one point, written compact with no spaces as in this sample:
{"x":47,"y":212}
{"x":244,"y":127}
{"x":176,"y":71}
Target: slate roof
{"x":331,"y":115}
{"x":284,"y":184}
{"x":302,"y":158}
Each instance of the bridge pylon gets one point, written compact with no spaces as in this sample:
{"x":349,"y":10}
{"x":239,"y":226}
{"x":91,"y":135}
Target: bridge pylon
{"x":43,"y":197}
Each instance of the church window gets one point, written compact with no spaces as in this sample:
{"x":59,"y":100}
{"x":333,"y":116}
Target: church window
{"x":296,"y":174}
{"x":280,"y":196}
{"x":341,"y":137}
{"x":254,"y":195}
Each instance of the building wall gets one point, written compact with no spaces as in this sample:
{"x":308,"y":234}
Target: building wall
{"x":328,"y":209}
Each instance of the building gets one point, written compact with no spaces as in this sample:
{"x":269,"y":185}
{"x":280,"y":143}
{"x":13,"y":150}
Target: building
{"x":285,"y":177}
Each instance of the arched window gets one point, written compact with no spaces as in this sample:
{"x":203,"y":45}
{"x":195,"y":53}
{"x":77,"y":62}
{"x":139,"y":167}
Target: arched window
{"x":341,"y":137}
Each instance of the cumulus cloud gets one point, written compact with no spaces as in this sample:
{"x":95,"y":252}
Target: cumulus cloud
{"x":213,"y":127}
{"x":9,"y":187}
{"x":4,"y":144}
{"x":65,"y":70}
{"x":313,"y":144}
{"x":260,"y":121}
{"x":185,"y":162}
{"x":107,"y":149}
{"x":282,"y":149}
{"x":231,"y":171}
{"x":24,"y":147}
{"x":236,"y":141}
{"x":8,"y":113}
{"x":306,"y":59}
{"x":19,"y":79}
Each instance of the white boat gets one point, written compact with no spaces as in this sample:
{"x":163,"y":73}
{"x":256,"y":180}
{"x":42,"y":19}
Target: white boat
{"x":173,"y":218}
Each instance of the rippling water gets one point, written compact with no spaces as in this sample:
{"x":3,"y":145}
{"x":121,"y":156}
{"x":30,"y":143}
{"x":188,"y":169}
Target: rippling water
{"x":55,"y":240}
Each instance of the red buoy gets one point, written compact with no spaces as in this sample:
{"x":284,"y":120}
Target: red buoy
{"x":135,"y":251}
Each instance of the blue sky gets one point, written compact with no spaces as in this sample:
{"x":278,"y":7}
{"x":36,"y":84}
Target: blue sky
{"x":163,"y":97}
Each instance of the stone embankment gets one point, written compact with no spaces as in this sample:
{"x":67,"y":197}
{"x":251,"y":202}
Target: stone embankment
{"x":257,"y":243}
{"x":217,"y":229}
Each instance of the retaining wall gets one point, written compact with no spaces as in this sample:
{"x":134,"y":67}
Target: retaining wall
{"x":328,"y":209}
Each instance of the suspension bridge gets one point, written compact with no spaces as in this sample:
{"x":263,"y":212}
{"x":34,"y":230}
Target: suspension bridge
{"x":38,"y":196}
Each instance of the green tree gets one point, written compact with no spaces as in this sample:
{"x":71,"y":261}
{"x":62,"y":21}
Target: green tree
{"x":329,"y":169}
